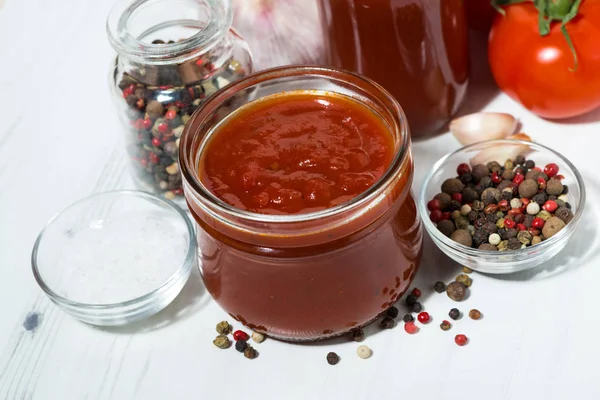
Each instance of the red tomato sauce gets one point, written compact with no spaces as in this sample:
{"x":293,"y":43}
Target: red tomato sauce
{"x":296,"y":152}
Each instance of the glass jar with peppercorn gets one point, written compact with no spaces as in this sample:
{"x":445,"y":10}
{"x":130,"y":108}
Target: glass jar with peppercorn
{"x":171,"y":57}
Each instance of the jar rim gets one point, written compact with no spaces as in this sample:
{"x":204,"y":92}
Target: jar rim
{"x":125,"y":44}
{"x":189,"y":169}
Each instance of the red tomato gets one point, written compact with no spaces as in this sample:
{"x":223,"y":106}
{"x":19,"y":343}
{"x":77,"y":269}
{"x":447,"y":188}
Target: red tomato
{"x":537,"y":70}
{"x":480,"y":14}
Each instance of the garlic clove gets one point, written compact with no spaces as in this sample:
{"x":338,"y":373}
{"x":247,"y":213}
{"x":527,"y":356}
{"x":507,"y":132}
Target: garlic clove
{"x":503,"y":152}
{"x":481,"y":126}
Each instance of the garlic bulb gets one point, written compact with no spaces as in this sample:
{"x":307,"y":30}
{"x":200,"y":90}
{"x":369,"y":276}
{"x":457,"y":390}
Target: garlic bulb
{"x":503,"y":152}
{"x":481,"y":126}
{"x":280,"y":32}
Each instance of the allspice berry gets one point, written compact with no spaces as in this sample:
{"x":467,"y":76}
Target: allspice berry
{"x":488,"y":247}
{"x":554,"y":187}
{"x":552,"y":226}
{"x":444,"y":199}
{"x":463,"y":237}
{"x":154,"y":109}
{"x":452,"y":186}
{"x":469,"y":196}
{"x":456,"y":291}
{"x":447,"y":227}
{"x":528,"y":188}
{"x":464,"y":279}
{"x":479,"y":171}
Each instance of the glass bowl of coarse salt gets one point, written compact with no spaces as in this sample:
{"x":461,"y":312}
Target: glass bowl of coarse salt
{"x":114,"y":258}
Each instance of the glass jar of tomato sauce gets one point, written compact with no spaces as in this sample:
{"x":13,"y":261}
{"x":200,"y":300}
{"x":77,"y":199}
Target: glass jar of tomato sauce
{"x":172,"y":55}
{"x":416,"y":49}
{"x":321,"y":271}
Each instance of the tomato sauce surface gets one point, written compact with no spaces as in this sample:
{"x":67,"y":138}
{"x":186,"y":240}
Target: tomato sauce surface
{"x":296,"y":152}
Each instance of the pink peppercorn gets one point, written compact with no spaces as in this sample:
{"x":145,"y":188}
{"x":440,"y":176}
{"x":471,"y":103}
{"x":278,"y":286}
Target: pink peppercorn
{"x":240,"y":335}
{"x":550,"y":206}
{"x":410,"y":328}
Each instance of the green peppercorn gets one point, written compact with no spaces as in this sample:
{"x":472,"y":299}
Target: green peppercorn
{"x":222,"y":342}
{"x":524,"y":237}
{"x":545,"y":215}
{"x":509,"y":164}
{"x":464,"y":279}
{"x":503,"y":245}
{"x":224,"y":328}
{"x":461,"y":223}
{"x":466,"y":270}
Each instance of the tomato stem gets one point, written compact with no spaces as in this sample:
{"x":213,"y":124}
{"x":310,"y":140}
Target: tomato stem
{"x":550,"y":11}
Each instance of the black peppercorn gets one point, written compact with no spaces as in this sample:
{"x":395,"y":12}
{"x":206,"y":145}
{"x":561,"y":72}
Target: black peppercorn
{"x":332,"y":358}
{"x":387,"y":323}
{"x":469,"y":195}
{"x":511,"y":233}
{"x":478,"y":205}
{"x":502,"y":233}
{"x":466,"y":178}
{"x":490,"y":227}
{"x":454,"y":314}
{"x":528,"y":220}
{"x":530,"y":164}
{"x":507,"y":194}
{"x":479,"y":223}
{"x":410,"y":300}
{"x":472,"y":216}
{"x":494,"y":166}
{"x":485,"y":182}
{"x":564,"y":214}
{"x":565,"y":189}
{"x":241,"y":345}
{"x":492,"y":217}
{"x":480,"y":237}
{"x":392,"y":312}
{"x":491,"y":196}
{"x":439,"y":287}
{"x":519,"y":218}
{"x":408,"y":318}
{"x":568,"y":205}
{"x":514,"y":243}
{"x":540,"y":198}
{"x":455,"y":205}
{"x":520,"y":160}
{"x":504,"y":185}
{"x":358,"y":335}
{"x":417,"y":307}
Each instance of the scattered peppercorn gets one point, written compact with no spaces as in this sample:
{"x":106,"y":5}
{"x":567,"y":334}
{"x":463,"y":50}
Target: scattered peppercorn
{"x":258,"y":337}
{"x":474,"y":314}
{"x":460,"y":339}
{"x":358,"y":335}
{"x":456,"y":291}
{"x":408,"y":318}
{"x":417,"y":307}
{"x":423,"y":317}
{"x":224,"y":328}
{"x":250,"y":353}
{"x":240,"y":335}
{"x":467,"y":270}
{"x":363,"y":352}
{"x":464,"y":279}
{"x":410,"y":300}
{"x":241,"y":345}
{"x":416,"y":292}
{"x":439,"y":287}
{"x":410,"y":328}
{"x":392,"y":312}
{"x":387,"y":323}
{"x":445,"y":325}
{"x":454,"y":314}
{"x":222,"y":342}
{"x":332,"y":358}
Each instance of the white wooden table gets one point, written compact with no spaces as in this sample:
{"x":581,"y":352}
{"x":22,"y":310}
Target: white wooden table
{"x":59,"y":141}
